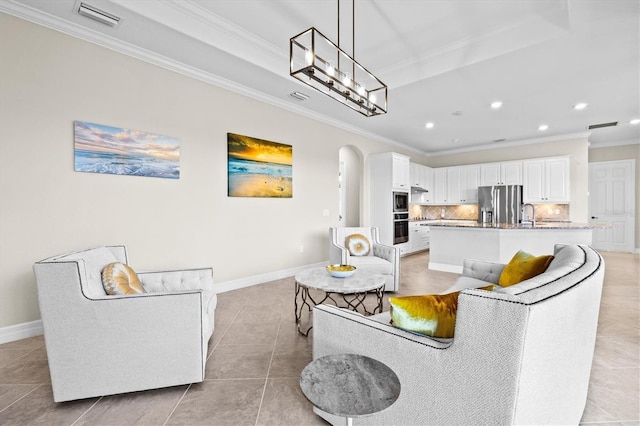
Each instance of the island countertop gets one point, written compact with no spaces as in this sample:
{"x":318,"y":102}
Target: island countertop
{"x":452,"y":241}
{"x":538,"y":225}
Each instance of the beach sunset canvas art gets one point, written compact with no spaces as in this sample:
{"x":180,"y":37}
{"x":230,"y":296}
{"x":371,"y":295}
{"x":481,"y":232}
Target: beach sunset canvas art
{"x":259,"y":168}
{"x":114,"y":150}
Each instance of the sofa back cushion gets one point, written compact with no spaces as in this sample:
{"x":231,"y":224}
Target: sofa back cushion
{"x":565,"y":270}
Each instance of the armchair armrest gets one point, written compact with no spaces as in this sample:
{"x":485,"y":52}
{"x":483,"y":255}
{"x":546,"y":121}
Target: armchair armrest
{"x":188,"y":279}
{"x":385,"y":252}
{"x":481,"y":270}
{"x":338,"y":254}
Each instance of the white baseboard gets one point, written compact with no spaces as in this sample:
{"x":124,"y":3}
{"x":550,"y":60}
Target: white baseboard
{"x":20,"y":331}
{"x":34,"y":328}
{"x":445,"y":267}
{"x":263,"y":278}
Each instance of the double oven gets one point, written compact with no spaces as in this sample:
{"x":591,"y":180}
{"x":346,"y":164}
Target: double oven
{"x":400,"y":217}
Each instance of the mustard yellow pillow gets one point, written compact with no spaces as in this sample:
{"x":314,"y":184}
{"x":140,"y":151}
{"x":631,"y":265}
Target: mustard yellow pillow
{"x":433,"y":315}
{"x":358,"y":245}
{"x":522,"y":267}
{"x":118,"y":278}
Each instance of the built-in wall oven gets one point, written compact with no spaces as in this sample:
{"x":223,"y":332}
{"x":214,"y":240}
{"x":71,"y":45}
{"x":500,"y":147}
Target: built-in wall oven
{"x":400,"y":228}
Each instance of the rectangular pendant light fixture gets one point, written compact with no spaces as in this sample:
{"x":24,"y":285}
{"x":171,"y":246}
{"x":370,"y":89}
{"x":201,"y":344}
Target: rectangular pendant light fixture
{"x":98,"y":15}
{"x":318,"y":62}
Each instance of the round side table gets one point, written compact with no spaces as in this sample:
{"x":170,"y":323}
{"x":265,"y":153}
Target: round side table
{"x":349,"y":385}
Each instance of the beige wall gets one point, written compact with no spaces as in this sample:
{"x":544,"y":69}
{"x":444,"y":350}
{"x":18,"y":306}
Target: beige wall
{"x":48,"y":80}
{"x":575,"y":148}
{"x":622,"y":152}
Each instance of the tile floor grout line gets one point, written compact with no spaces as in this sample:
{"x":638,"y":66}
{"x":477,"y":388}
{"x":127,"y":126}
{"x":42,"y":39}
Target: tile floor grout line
{"x":175,"y":407}
{"x":87,"y":410}
{"x":266,"y":379}
{"x":37,"y":385}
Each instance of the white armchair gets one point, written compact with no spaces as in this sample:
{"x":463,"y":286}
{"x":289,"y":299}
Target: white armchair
{"x":382,"y":259}
{"x":99,"y":344}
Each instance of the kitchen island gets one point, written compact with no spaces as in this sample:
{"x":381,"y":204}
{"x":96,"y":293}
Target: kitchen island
{"x":453,"y":241}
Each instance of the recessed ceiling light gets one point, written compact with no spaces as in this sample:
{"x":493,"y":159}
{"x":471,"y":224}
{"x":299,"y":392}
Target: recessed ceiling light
{"x":496,"y":104}
{"x":429,"y":125}
{"x":457,"y":113}
{"x":455,"y":140}
{"x":635,"y":121}
{"x":580,"y":106}
{"x":543,"y":127}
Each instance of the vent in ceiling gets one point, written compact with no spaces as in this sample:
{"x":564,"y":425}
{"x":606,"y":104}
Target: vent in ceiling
{"x":98,"y":15}
{"x":299,"y":96}
{"x":601,"y":125}
{"x":500,"y":140}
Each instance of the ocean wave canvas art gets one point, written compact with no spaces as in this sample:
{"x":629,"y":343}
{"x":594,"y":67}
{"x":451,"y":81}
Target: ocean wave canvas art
{"x":259,"y":168}
{"x":114,"y":150}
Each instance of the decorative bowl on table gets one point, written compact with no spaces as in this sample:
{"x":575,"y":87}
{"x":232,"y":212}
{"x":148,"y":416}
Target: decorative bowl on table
{"x":341,"y":271}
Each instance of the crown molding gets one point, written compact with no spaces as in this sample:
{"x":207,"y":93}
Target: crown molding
{"x":596,"y":145}
{"x":506,"y":144}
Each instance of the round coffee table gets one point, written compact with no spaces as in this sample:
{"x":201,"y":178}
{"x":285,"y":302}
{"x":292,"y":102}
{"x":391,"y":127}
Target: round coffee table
{"x":349,"y":385}
{"x":352,"y":290}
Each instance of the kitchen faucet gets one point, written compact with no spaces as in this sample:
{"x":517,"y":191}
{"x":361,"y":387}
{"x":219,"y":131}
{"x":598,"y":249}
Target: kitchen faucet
{"x":533,"y":214}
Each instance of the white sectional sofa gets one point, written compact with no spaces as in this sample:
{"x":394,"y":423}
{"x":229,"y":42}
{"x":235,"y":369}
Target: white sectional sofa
{"x":520,"y":354}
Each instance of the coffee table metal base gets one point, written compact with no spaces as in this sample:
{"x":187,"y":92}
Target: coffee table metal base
{"x":350,"y":299}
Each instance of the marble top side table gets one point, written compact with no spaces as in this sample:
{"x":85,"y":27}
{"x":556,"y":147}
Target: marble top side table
{"x":349,"y":385}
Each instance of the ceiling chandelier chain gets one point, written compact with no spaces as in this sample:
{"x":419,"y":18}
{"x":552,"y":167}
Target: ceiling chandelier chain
{"x":312,"y":57}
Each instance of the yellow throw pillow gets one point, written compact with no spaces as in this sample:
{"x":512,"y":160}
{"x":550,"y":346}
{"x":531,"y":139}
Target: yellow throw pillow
{"x":118,"y":278}
{"x":522,"y":267}
{"x":433,"y":315}
{"x":358,"y":245}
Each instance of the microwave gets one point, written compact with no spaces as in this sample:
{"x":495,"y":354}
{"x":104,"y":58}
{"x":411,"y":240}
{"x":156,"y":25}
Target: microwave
{"x":400,"y":201}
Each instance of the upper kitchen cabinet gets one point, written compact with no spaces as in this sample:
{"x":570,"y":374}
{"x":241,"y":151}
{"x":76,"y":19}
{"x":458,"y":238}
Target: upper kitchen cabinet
{"x":504,"y":173}
{"x":400,"y":171}
{"x":462,"y":184}
{"x":440,"y":189}
{"x":421,"y":183}
{"x":546,"y":180}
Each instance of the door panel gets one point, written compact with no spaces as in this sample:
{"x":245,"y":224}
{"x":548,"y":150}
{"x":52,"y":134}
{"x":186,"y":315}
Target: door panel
{"x":612,"y":201}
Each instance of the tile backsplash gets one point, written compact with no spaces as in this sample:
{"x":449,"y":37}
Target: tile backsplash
{"x":470,"y":212}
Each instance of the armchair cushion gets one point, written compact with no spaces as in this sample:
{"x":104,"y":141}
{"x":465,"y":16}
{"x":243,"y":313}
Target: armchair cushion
{"x":522,"y":267}
{"x":433,"y":315}
{"x":120,"y":278}
{"x":358,"y":245}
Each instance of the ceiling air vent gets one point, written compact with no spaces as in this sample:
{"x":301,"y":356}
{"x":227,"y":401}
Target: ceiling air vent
{"x":299,"y":96}
{"x":601,"y":125}
{"x":98,"y":15}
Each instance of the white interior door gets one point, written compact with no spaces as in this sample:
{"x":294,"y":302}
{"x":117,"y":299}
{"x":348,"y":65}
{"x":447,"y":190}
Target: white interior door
{"x":612,"y":201}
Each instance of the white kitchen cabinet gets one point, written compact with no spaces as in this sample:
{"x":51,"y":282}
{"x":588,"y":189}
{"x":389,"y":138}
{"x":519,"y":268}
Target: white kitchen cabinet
{"x":421,"y":180}
{"x":401,"y":172}
{"x":440,"y":189}
{"x":462,"y":184}
{"x":386,"y":173}
{"x":503,"y":173}
{"x":418,"y":237}
{"x":546,"y":180}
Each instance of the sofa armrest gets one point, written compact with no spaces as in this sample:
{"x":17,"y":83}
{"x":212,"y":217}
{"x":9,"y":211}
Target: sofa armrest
{"x":481,"y":270}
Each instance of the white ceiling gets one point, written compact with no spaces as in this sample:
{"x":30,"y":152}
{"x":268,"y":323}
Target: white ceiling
{"x":539,"y":57}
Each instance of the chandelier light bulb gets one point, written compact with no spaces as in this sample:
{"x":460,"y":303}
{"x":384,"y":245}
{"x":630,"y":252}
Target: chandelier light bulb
{"x":331,"y":71}
{"x":308,"y":57}
{"x":347,"y":80}
{"x":635,"y":121}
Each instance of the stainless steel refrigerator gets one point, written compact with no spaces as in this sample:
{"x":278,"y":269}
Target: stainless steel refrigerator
{"x":500,"y":204}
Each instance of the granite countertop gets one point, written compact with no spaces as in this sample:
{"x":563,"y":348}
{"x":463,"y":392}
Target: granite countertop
{"x":537,"y":225}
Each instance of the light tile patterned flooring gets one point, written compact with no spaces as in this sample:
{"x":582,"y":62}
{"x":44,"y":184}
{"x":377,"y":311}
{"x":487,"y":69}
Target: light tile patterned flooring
{"x":256,"y":357}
